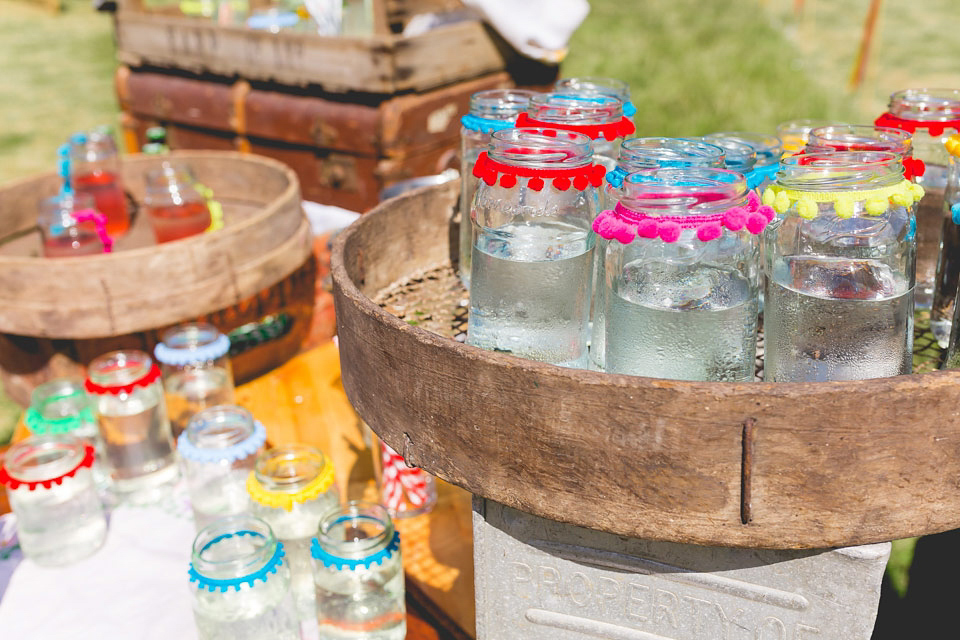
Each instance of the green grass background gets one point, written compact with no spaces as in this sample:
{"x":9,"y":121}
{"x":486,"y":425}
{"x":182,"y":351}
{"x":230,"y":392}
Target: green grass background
{"x":694,"y":66}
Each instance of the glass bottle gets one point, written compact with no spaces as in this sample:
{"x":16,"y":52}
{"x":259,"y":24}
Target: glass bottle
{"x":681,"y":276}
{"x":132,"y":417}
{"x":358,"y":572}
{"x":840,"y":268}
{"x":62,"y":406}
{"x":174,"y":205}
{"x":291,"y":487}
{"x":768,"y":151}
{"x":606,"y":86}
{"x":95,"y":171}
{"x":595,"y":115}
{"x":69,"y":226}
{"x":60,"y":519}
{"x":637,"y":154}
{"x":794,"y":134}
{"x":196,"y":371}
{"x":490,"y":111}
{"x":931,"y":116}
{"x":218,"y":451}
{"x":240,"y":582}
{"x":533,"y":245}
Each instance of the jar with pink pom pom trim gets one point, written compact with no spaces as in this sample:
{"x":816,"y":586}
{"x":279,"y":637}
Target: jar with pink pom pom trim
{"x":681,"y":275}
{"x":840,"y":268}
{"x":533,"y":245}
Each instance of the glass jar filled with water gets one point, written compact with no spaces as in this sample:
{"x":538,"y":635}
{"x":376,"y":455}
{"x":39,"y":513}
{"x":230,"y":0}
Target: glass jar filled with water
{"x":533,"y":245}
{"x":196,"y":371}
{"x":490,"y":111}
{"x":768,"y":150}
{"x":840,"y":268}
{"x":681,"y":276}
{"x":219,"y":450}
{"x":52,"y":493}
{"x":359,"y":574}
{"x":931,"y":116}
{"x":132,"y":418}
{"x":240,"y":581}
{"x":596,"y":84}
{"x":794,"y":134}
{"x":637,"y":154}
{"x":291,"y":487}
{"x":948,"y":269}
{"x":598,"y":116}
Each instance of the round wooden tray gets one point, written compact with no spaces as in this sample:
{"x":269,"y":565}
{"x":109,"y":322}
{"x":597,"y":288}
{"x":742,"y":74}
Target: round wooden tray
{"x":778,"y":466}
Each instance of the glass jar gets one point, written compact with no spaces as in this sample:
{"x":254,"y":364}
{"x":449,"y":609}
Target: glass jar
{"x":95,"y":171}
{"x":948,"y":267}
{"x":132,"y":417}
{"x":69,"y":227}
{"x":51,"y":491}
{"x":533,"y":245}
{"x":196,"y":371}
{"x":840,"y":268}
{"x":291,"y":487}
{"x":637,"y":154}
{"x":174,"y":205}
{"x":595,"y":115}
{"x":606,"y":86}
{"x":218,"y":451}
{"x":405,"y":491}
{"x":768,"y":150}
{"x":931,"y":116}
{"x":490,"y":111}
{"x":358,"y":572}
{"x":794,"y":134}
{"x":681,"y":276}
{"x":240,"y":581}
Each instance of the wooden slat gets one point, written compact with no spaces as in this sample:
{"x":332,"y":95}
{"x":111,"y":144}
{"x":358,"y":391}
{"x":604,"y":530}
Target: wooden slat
{"x":833,"y":464}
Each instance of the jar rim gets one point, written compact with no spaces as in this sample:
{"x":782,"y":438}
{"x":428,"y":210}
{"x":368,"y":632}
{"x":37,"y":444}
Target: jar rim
{"x":289,"y":468}
{"x":860,"y":137}
{"x":926,"y":104}
{"x":239,"y":560}
{"x":500,"y":104}
{"x":840,"y":171}
{"x":684,"y":190}
{"x":653,"y":152}
{"x":220,"y":427}
{"x":119,"y":368}
{"x":359,"y":514}
{"x":540,"y":147}
{"x":575,"y":108}
{"x":41,"y":458}
{"x":768,"y":148}
{"x":594,"y":84}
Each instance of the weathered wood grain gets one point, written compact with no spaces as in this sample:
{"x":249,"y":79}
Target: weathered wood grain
{"x":833,"y":464}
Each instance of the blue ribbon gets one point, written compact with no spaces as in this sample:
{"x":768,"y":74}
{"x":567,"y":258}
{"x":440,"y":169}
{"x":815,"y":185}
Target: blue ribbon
{"x":758,"y":175}
{"x":485,"y":125}
{"x":330,"y":560}
{"x":212,"y":585}
{"x":628,"y":109}
{"x":239,"y":451}
{"x":912,"y":232}
{"x":955,"y":213}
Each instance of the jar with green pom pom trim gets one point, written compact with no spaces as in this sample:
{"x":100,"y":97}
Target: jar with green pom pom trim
{"x":840,"y":268}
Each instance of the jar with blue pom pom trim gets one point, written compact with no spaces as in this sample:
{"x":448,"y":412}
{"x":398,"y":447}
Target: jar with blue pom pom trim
{"x":490,"y":111}
{"x":359,"y":574}
{"x":948,"y":266}
{"x":195,"y":362}
{"x":768,"y":150}
{"x":240,"y":581}
{"x":840,"y":268}
{"x":606,"y":86}
{"x":218,"y":451}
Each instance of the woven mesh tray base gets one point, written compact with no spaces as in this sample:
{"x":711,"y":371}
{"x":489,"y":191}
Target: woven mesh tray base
{"x":435,"y":300}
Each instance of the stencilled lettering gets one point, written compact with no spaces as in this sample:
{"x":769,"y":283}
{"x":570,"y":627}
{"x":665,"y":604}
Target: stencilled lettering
{"x":580,"y":594}
{"x":771,"y":629}
{"x":608,"y":592}
{"x":639,"y":602}
{"x":803,"y":631}
{"x":699,"y":608}
{"x":665,"y":608}
{"x":549,"y":579}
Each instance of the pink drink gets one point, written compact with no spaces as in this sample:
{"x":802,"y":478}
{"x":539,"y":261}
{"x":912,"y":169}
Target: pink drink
{"x":77,"y":242}
{"x":176,"y":221}
{"x":108,"y":197}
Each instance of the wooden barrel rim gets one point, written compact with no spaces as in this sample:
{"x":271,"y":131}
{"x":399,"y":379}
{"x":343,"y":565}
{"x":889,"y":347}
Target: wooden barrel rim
{"x":763,"y":465}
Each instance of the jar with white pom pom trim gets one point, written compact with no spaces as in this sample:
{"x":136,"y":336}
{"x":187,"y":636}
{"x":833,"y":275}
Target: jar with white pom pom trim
{"x":840,"y":268}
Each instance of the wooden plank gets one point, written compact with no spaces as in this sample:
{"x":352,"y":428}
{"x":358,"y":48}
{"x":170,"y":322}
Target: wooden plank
{"x":833,"y":464}
{"x":446,"y":54}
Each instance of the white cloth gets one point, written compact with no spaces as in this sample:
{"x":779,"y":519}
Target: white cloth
{"x":539,"y":29}
{"x":325,"y":217}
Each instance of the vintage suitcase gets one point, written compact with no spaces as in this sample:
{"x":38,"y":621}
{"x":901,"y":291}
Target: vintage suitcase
{"x":343,"y":152}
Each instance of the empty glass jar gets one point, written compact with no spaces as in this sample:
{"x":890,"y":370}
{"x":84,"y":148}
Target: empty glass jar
{"x":196,"y":371}
{"x":219,"y":450}
{"x":533,"y":252}
{"x":794,"y":134}
{"x":596,"y":115}
{"x":51,"y":490}
{"x":840,"y":268}
{"x":132,"y":417}
{"x":240,"y":581}
{"x":359,"y":574}
{"x":291,"y":487}
{"x":490,"y":111}
{"x":681,"y":277}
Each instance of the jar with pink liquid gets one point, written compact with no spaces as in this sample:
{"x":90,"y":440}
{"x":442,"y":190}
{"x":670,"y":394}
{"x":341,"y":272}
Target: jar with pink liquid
{"x":95,"y":171}
{"x":70,"y":227}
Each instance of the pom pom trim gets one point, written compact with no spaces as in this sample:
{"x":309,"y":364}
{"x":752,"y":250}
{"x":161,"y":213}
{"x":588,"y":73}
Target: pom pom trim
{"x":935,"y":127}
{"x":610,"y":131}
{"x":491,"y":171}
{"x":330,"y":560}
{"x":10,"y":482}
{"x":149,"y":378}
{"x":874,"y":202}
{"x":213,"y":585}
{"x":279,"y":500}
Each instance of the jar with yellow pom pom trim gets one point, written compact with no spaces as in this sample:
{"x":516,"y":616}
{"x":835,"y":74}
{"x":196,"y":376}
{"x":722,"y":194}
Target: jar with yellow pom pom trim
{"x":840,"y":268}
{"x":291,"y":488}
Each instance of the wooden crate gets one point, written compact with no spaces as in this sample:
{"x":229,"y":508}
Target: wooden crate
{"x":343,"y":152}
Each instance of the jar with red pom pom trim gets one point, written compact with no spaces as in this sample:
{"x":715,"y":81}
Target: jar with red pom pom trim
{"x":599,"y":116}
{"x":840,"y":268}
{"x":490,"y":111}
{"x":533,"y":245}
{"x":681,"y":275}
{"x":50,"y":486}
{"x":132,"y":417}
